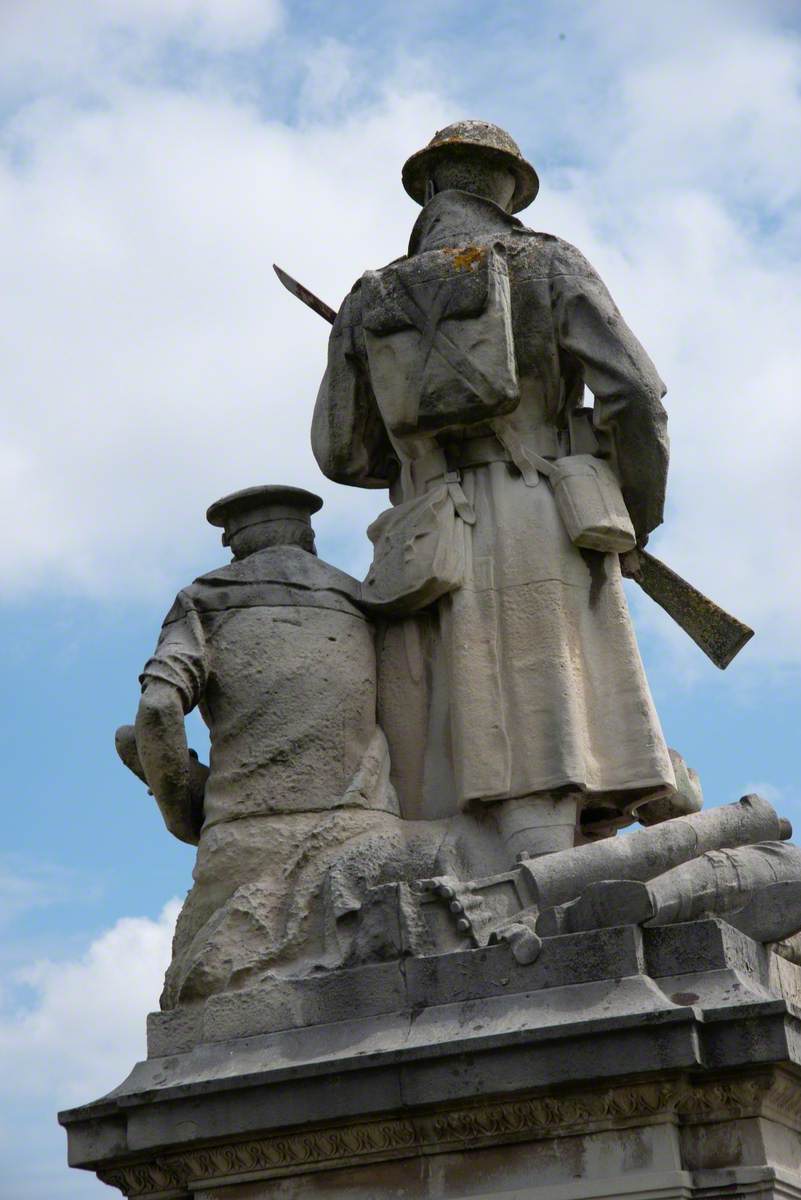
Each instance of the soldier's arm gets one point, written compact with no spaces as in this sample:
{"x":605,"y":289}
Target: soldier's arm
{"x":628,"y":413}
{"x":348,"y":436}
{"x":173,"y":682}
{"x":164,"y":755}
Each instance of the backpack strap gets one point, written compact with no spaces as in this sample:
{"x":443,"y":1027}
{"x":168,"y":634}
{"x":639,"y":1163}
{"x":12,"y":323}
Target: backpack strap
{"x":530,"y":464}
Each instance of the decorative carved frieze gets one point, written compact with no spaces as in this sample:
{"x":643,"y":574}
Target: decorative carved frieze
{"x":775,"y":1094}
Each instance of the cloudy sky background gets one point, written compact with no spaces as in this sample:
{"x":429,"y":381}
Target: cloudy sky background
{"x":156,"y":156}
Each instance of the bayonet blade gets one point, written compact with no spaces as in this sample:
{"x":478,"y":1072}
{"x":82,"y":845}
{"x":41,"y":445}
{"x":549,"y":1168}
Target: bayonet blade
{"x":314,"y":302}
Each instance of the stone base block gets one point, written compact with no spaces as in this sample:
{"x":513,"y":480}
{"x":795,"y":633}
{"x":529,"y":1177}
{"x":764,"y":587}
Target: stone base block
{"x":664,"y":1063}
{"x":677,"y":1137}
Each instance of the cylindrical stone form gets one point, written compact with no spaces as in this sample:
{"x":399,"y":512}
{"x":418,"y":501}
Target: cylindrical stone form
{"x":557,"y":878}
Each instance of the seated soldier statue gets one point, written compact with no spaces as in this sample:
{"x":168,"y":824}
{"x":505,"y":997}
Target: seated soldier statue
{"x":295,"y":818}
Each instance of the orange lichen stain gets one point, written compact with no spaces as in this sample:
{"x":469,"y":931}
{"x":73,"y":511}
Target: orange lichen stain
{"x":466,"y":258}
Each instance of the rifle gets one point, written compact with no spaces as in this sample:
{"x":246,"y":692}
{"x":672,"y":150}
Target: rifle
{"x":720,"y":635}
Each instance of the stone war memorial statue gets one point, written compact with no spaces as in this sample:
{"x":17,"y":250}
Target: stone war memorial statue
{"x":422,"y":955}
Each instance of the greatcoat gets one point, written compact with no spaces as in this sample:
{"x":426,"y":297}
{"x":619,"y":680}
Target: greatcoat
{"x":527,"y":679}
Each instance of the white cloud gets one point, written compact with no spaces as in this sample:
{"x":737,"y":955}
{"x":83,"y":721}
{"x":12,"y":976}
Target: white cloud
{"x":720,"y":322}
{"x":717,"y":101}
{"x":329,"y":79}
{"x":77,"y":1033}
{"x":85,"y":1027}
{"x":217,"y":24}
{"x":155,"y":362}
{"x":44,"y":44}
{"x":690,"y":211}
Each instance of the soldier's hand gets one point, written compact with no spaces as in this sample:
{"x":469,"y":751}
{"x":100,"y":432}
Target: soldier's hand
{"x":125,"y":742}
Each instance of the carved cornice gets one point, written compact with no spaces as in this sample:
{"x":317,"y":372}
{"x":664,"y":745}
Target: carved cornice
{"x":771,"y":1093}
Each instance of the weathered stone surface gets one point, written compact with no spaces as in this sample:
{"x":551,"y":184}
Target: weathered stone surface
{"x":296,"y":819}
{"x":456,"y":144}
{"x":447,"y":375}
{"x":688,"y":797}
{"x":665,"y":1156}
{"x":648,"y":853}
{"x":617,"y":1048}
{"x":732,"y":1135}
{"x":757,"y":888}
{"x":296,"y":1003}
{"x":703,"y":945}
{"x":472,"y":975}
{"x":686,"y":868}
{"x":416,"y":982}
{"x":174,"y":1031}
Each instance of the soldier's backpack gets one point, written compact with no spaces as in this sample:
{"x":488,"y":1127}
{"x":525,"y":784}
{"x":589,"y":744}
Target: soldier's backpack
{"x":438,"y":333}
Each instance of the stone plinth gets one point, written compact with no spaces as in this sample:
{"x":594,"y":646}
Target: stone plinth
{"x":658,"y":1063}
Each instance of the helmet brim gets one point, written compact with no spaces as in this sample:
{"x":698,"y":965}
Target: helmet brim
{"x":417,"y":169}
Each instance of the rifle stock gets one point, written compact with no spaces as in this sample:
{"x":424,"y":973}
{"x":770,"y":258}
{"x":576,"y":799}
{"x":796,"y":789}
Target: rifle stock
{"x":720,"y":635}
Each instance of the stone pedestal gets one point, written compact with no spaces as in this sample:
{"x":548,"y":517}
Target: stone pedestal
{"x":657,"y":1063}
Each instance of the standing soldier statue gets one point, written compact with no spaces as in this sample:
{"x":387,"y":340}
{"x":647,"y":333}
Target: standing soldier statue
{"x":509,"y":674}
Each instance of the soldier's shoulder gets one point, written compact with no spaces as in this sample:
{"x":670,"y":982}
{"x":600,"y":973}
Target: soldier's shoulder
{"x":357,"y":287}
{"x":183,"y":604}
{"x":401,"y":258}
{"x":350,"y":309}
{"x":276,"y":566}
{"x":215,"y":591}
{"x":228,"y":570}
{"x":195,"y":596}
{"x":530,"y":251}
{"x":567,"y":259}
{"x":535,"y":237}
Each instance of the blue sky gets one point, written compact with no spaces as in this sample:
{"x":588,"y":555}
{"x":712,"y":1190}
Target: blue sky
{"x":156,"y":156}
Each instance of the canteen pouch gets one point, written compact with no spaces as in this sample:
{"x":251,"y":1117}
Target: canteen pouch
{"x":591,"y":504}
{"x":418,"y":553}
{"x":587,"y":494}
{"x":438,"y":334}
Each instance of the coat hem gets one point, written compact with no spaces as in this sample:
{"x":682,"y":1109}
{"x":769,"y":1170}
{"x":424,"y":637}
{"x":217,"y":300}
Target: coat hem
{"x":559,"y":783}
